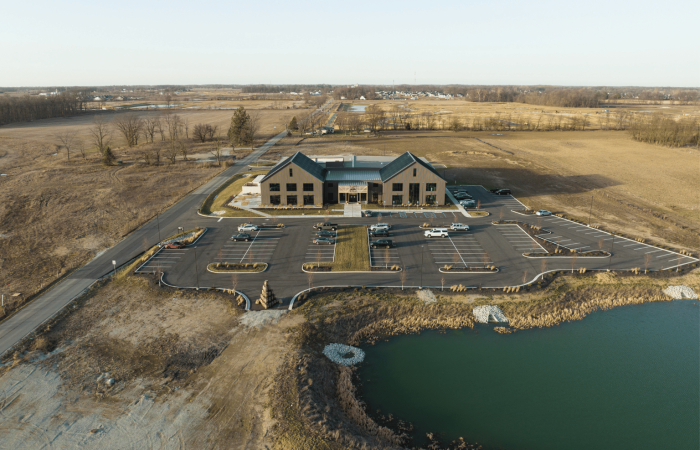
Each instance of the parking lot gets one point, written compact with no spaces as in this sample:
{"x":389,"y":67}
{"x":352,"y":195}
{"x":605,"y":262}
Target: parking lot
{"x":259,"y":249}
{"x":460,"y":249}
{"x":163,"y":260}
{"x":384,"y":257}
{"x":519,"y":240}
{"x":320,"y":253}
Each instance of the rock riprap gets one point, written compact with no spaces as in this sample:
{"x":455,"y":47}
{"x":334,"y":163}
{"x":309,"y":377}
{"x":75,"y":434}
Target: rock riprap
{"x":680,"y":293}
{"x":345,"y":355}
{"x":484,"y":313}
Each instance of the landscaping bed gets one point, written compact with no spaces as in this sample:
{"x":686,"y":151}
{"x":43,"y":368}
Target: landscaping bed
{"x":236,"y":267}
{"x":450,"y":269}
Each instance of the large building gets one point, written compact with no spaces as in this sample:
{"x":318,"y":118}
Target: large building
{"x":316,"y":180}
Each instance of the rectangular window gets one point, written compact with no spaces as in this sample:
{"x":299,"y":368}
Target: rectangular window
{"x":274,"y":187}
{"x":431,"y":187}
{"x":397,"y":200}
{"x":291,"y":174}
{"x":308,"y":187}
{"x":363,"y":197}
{"x":330,"y":185}
{"x":291,"y":199}
{"x":375,"y":185}
{"x":397,"y":187}
{"x":308,"y":200}
{"x":291,"y":187}
{"x":275,"y":199}
{"x":414,"y":172}
{"x":430,"y":199}
{"x":330,"y":197}
{"x":342,"y":197}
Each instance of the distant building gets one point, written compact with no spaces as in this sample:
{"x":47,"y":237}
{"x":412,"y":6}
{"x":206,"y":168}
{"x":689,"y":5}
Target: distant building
{"x":315,"y":180}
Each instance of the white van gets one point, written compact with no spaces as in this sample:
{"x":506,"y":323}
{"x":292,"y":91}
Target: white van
{"x":437,"y":232}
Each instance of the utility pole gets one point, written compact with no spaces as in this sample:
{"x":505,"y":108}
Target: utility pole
{"x":611,"y":251}
{"x":196,"y":271}
{"x":590,"y":211}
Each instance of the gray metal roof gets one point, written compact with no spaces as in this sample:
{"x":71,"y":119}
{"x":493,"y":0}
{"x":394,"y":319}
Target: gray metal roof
{"x":352,"y":175}
{"x":401,"y":163}
{"x":351,"y":183}
{"x":301,"y":160}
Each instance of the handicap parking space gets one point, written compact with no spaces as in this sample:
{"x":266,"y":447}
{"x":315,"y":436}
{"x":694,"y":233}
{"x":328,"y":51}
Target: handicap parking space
{"x":163,"y":260}
{"x":519,"y":239}
{"x":320,"y":252}
{"x":459,"y":249}
{"x":259,"y":249}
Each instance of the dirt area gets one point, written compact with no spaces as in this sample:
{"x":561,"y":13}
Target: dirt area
{"x":639,"y":189}
{"x":56,"y":214}
{"x":188,"y":370}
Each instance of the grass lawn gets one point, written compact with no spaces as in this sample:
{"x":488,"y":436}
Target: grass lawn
{"x":301,"y":212}
{"x":236,"y":267}
{"x":351,"y":251}
{"x":478,"y":213}
{"x":378,"y":207}
{"x":216,"y":200}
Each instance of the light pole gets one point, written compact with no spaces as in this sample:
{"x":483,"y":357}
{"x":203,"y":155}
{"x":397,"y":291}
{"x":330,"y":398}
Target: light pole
{"x":158,"y":224}
{"x":421,"y":266}
{"x":196,"y":271}
{"x":114,"y":264}
{"x":590,"y":211}
{"x":611,"y":251}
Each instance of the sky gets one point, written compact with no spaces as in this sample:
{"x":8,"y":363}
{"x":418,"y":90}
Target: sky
{"x":594,"y":43}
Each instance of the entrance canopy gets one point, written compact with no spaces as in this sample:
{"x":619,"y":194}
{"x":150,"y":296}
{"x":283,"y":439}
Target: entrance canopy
{"x":352,"y":187}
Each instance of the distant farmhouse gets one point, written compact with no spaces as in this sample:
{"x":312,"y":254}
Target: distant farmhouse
{"x":314,"y":180}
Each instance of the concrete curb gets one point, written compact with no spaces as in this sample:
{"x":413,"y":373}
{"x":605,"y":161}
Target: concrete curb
{"x":353,"y":271}
{"x":563,"y":256}
{"x":235,"y":271}
{"x":441,"y":270}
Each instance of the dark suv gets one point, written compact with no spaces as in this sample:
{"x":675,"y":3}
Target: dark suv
{"x":379,"y":233}
{"x":501,"y":191}
{"x":381,"y":243}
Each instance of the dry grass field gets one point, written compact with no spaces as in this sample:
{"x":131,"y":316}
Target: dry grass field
{"x":56,"y":214}
{"x":637,"y":188}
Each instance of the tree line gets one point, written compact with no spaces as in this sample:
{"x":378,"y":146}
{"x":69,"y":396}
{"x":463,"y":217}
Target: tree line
{"x":28,"y":108}
{"x":661,"y":130}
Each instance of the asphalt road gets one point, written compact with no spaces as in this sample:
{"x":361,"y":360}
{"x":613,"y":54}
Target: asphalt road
{"x":183,"y":213}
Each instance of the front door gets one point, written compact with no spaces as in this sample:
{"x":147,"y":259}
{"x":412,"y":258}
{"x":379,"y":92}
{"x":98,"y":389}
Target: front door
{"x":352,"y":198}
{"x":413,"y":192}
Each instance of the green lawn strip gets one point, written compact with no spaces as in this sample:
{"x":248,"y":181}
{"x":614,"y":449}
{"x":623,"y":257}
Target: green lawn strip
{"x":301,"y":212}
{"x":217,"y":199}
{"x":478,"y":213}
{"x":377,"y":207}
{"x":351,"y":252}
{"x":236,"y":267}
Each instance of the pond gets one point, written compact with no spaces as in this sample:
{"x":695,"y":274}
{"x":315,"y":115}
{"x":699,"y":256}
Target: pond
{"x":624,"y":378}
{"x":357,"y":108}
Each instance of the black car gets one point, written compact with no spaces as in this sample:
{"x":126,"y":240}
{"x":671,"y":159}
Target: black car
{"x":381,"y":243}
{"x":240,"y":237}
{"x":325,"y":233}
{"x":379,"y":233}
{"x":501,"y":191}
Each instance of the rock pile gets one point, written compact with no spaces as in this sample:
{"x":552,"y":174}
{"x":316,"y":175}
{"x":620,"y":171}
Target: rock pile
{"x":267,"y":299}
{"x":337,"y":353}
{"x":484,"y":313}
{"x":680,"y":292}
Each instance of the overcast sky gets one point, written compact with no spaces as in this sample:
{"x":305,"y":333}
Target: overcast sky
{"x":637,"y":43}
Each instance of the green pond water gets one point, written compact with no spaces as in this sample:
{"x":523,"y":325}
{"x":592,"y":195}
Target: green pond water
{"x":627,"y":378}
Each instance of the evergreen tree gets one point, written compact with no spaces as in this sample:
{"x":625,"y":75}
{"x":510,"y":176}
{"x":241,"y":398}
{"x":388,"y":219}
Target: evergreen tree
{"x":293,"y":124}
{"x":108,"y":158}
{"x":238,"y":133}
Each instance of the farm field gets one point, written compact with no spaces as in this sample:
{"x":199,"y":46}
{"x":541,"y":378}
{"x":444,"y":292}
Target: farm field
{"x":637,"y":188}
{"x":57,"y":214}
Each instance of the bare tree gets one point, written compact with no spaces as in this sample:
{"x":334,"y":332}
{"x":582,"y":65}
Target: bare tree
{"x":150,"y":127}
{"x":131,"y":126}
{"x":217,"y":151}
{"x":101,"y":134}
{"x":573,"y":262}
{"x":647,"y":261}
{"x":187,"y":127}
{"x":404,"y":276}
{"x":81,"y":148}
{"x":67,"y":139}
{"x":252,"y":129}
{"x":199,"y":132}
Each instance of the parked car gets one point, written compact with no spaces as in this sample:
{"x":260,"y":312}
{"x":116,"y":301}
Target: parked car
{"x":381,"y":243}
{"x":462,"y":196}
{"x":380,"y":226}
{"x":174,"y":245}
{"x":366,"y":213}
{"x":459,"y":227}
{"x":436,"y":232}
{"x":379,"y":233}
{"x":241,"y":237}
{"x":543,"y":212}
{"x":468,"y":203}
{"x":324,"y":233}
{"x":326,"y":226}
{"x":501,"y":191}
{"x":248,"y":227}
{"x":324,"y":240}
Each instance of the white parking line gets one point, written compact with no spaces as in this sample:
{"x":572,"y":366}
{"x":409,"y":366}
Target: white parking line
{"x":654,"y":251}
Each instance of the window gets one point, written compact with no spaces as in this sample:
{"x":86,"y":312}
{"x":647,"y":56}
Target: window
{"x":397,"y":187}
{"x":291,"y":187}
{"x":342,"y":197}
{"x":375,"y":197}
{"x":375,"y":185}
{"x":308,"y":200}
{"x":363,"y":197}
{"x":275,"y":199}
{"x":430,"y":199}
{"x":274,"y":187}
{"x":291,"y":174}
{"x":397,"y":200}
{"x":308,"y":187}
{"x":330,"y":197}
{"x":431,"y":187}
{"x":291,"y":199}
{"x":330,"y":184}
{"x":414,"y":172}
